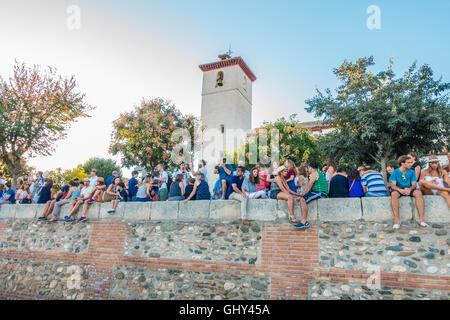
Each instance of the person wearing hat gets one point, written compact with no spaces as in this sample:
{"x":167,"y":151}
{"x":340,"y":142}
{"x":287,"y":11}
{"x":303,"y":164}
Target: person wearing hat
{"x":433,"y":178}
{"x":9,"y":196}
{"x":279,"y":190}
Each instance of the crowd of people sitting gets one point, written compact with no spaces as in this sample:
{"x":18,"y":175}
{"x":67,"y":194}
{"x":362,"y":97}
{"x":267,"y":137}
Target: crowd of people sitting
{"x":288,"y":182}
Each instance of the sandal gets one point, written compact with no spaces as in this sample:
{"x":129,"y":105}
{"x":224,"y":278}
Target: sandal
{"x":292,"y":219}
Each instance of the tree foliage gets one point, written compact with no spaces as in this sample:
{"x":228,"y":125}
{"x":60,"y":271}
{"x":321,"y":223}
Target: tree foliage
{"x":143,"y":136}
{"x":295,"y":143}
{"x":61,"y":178}
{"x":380,"y":116}
{"x":36,"y":109}
{"x":104,"y":167}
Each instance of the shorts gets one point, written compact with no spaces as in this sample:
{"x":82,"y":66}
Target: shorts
{"x":274,"y":194}
{"x":312,"y":195}
{"x":402,"y":195}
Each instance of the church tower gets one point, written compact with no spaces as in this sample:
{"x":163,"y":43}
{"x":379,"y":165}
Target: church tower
{"x":226,"y":110}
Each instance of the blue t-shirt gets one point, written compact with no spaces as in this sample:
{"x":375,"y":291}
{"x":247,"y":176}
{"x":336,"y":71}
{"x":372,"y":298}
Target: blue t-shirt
{"x":218,"y":189}
{"x":124,"y":195}
{"x":223,"y":174}
{"x":403,"y":180}
{"x":132,"y":186}
{"x":238,"y":182}
{"x":109,"y":181}
{"x":10,"y":192}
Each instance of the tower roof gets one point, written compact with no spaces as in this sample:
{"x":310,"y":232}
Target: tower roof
{"x":228,"y":63}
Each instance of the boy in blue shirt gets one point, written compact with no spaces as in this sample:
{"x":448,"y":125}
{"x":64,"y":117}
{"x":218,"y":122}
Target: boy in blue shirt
{"x":403,"y":183}
{"x":132,"y":185}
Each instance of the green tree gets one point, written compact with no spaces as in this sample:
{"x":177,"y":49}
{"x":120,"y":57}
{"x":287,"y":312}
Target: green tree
{"x":36,"y":109}
{"x":104,"y":167}
{"x":295,"y":143}
{"x":380,"y":117}
{"x":143,"y":136}
{"x":60,"y":178}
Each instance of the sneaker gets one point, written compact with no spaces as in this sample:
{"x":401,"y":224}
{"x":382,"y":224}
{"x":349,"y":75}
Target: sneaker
{"x":301,"y":225}
{"x":90,"y":201}
{"x":82,"y":219}
{"x":42,"y":218}
{"x":71,"y":219}
{"x":424,"y":224}
{"x":111,"y":211}
{"x":396,"y":226}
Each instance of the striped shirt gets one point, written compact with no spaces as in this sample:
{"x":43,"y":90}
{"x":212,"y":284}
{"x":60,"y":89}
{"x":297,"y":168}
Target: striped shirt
{"x":375,"y":185}
{"x":321,"y":184}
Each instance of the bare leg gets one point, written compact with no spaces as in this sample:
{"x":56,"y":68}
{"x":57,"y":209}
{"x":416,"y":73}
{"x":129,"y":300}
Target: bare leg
{"x":224,"y":188}
{"x":75,"y":207}
{"x":446,"y":196}
{"x":420,"y":204}
{"x":50,"y":207}
{"x":85,"y":208}
{"x":304,"y":207}
{"x":394,"y":203}
{"x":290,"y":204}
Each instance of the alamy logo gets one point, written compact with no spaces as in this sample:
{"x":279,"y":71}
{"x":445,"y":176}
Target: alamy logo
{"x":73,"y":21}
{"x":74,"y":280}
{"x":373,"y":282}
{"x":374,"y":20}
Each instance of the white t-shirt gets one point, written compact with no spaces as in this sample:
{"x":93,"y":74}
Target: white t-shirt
{"x":204,"y":171}
{"x":164,"y":175}
{"x":86,"y":191}
{"x":93,"y":181}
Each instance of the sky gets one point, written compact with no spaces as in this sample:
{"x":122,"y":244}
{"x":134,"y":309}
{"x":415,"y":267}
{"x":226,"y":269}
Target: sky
{"x":128,"y":50}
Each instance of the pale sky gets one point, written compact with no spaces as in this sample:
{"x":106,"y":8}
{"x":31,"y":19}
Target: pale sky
{"x":127,"y":50}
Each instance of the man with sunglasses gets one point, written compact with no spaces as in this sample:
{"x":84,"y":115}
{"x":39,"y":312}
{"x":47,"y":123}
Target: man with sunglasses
{"x":403,"y":183}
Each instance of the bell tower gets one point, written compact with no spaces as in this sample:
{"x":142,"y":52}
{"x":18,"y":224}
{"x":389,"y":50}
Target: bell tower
{"x":226,"y":110}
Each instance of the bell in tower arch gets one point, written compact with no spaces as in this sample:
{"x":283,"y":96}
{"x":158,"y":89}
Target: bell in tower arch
{"x":219,"y":82}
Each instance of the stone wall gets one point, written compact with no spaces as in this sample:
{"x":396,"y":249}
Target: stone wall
{"x":199,"y":250}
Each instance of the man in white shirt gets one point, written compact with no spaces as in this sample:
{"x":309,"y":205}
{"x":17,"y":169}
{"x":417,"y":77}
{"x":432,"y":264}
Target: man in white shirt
{"x":93,"y":178}
{"x":201,"y":169}
{"x":184,"y":172}
{"x":84,"y":196}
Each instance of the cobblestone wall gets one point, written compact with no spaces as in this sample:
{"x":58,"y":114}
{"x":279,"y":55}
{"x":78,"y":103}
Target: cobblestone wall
{"x":210,"y":259}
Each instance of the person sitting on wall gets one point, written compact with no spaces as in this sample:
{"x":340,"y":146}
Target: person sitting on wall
{"x":354,"y":181}
{"x":433,"y":179}
{"x":250,"y":185}
{"x":9,"y":196}
{"x":144,"y":190}
{"x":190,"y":186}
{"x":403,"y":183}
{"x":373,"y":183}
{"x":71,"y":197}
{"x":177,"y":189}
{"x":84,"y":196}
{"x":121,"y":196}
{"x":225,"y":171}
{"x":317,"y":188}
{"x":279,"y":190}
{"x":49,"y":206}
{"x":235,"y":192}
{"x":200,"y":190}
{"x":338,"y":187}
